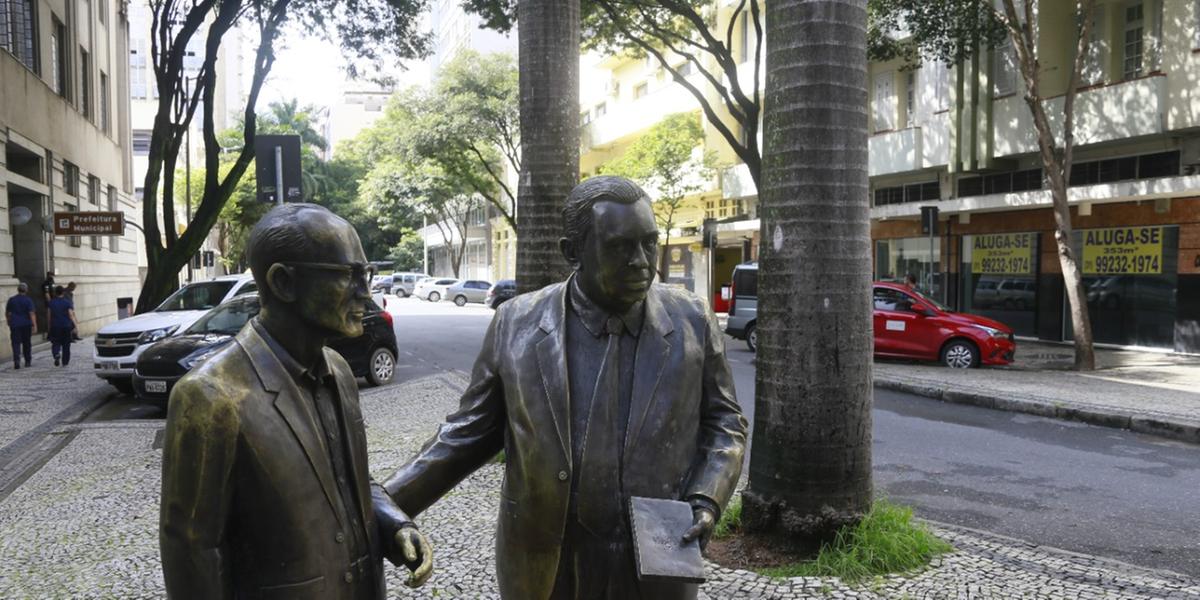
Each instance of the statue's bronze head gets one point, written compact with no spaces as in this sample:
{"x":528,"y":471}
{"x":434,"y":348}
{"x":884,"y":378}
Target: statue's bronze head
{"x":308,"y":262}
{"x":611,"y":240}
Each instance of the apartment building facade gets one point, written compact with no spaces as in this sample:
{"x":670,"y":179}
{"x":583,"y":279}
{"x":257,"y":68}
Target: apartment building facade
{"x":64,"y":125}
{"x":961,"y":139}
{"x":622,"y":98}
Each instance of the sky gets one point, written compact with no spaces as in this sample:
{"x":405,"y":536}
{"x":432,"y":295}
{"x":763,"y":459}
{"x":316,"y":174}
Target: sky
{"x":310,"y":69}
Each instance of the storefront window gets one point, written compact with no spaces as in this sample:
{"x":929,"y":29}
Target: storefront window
{"x":1131,"y":276}
{"x":1000,"y":279}
{"x":898,"y":258}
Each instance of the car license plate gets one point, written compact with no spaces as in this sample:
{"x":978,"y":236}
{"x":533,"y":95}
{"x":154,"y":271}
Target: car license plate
{"x":156,"y":387}
{"x":108,"y":365}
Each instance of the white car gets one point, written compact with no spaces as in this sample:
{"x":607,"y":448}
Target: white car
{"x":434,"y":288}
{"x":119,"y":344}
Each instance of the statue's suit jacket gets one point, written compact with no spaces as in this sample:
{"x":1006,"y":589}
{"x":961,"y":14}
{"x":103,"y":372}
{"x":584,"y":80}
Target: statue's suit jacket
{"x":686,"y":433}
{"x":248,"y":491}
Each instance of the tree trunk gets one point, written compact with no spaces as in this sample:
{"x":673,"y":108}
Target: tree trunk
{"x":1081,"y":325}
{"x":549,"y":81}
{"x":810,"y":465}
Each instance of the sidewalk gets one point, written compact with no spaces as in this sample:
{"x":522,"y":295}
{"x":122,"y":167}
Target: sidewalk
{"x":1145,"y":392}
{"x":85,"y":526}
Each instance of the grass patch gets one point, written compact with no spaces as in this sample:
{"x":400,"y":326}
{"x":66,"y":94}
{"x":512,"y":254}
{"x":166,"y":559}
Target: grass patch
{"x":885,"y":541}
{"x":731,"y":519}
{"x":498,"y":459}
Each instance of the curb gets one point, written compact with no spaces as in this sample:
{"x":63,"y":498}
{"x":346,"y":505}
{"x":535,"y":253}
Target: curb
{"x":1175,"y":429}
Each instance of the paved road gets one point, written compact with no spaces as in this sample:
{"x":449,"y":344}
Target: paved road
{"x":1088,"y":489}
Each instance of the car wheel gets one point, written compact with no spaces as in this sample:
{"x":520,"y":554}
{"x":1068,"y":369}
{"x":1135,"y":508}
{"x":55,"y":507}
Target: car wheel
{"x":435,"y":297}
{"x":960,"y":354}
{"x":460,"y":300}
{"x":382,"y":367}
{"x":752,"y":338}
{"x":402,"y":293}
{"x":125,"y":386}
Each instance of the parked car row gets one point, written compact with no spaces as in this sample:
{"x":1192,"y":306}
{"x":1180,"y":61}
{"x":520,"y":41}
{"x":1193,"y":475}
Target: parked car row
{"x":436,"y":289}
{"x":907,"y":324}
{"x":159,"y":366}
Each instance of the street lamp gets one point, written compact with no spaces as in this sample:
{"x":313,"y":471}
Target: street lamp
{"x":187,"y":166}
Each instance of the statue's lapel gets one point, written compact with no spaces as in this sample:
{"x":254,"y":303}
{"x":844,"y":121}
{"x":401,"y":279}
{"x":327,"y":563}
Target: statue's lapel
{"x":552,"y":363}
{"x":653,"y":350}
{"x":348,"y":388}
{"x":291,"y":406}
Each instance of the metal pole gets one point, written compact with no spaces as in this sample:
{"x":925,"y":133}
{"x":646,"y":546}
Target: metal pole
{"x":187,"y":184}
{"x":932,"y":260}
{"x":278,"y":175}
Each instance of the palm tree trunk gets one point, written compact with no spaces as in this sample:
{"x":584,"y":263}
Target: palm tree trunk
{"x":549,"y":81}
{"x":810,"y":465}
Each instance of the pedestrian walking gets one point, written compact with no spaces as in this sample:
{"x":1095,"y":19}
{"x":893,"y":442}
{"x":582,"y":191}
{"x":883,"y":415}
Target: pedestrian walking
{"x":22,"y":322}
{"x":47,"y":296}
{"x":69,"y":294}
{"x":62,"y":326}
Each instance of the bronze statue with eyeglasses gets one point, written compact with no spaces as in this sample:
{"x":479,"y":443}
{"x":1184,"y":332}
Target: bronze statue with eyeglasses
{"x":265,"y":488}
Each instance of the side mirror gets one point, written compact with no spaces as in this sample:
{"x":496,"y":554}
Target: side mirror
{"x":921,"y":309}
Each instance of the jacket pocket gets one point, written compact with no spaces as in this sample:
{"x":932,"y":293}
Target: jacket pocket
{"x":310,"y":588}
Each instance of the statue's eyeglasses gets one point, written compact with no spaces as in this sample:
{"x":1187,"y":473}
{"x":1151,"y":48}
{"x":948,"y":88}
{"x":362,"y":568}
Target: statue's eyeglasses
{"x":357,"y":271}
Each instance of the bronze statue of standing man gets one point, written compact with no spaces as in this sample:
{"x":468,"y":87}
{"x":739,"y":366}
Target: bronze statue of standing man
{"x":601,"y":388}
{"x":266,"y":492}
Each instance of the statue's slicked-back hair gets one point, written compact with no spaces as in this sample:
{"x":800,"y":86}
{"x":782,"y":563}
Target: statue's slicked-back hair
{"x":294,"y":232}
{"x":577,"y":214}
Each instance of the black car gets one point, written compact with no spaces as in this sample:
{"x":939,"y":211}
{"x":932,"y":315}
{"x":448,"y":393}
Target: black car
{"x":504,"y":290}
{"x":371,"y":355}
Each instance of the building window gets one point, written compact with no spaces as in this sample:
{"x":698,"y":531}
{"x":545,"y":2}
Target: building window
{"x":114,"y":241}
{"x":640,"y":90}
{"x":137,"y":72}
{"x":1093,"y":65}
{"x":70,"y":179}
{"x":1134,"y":42}
{"x":744,"y":38}
{"x":1196,"y":24}
{"x":601,"y":109}
{"x":1004,"y":69}
{"x":940,"y":74}
{"x":58,"y":57}
{"x":18,"y":31}
{"x":93,"y":190}
{"x":85,"y":83}
{"x":885,"y":101}
{"x":138,"y":194}
{"x":103,"y":102}
{"x":73,"y":241}
{"x":585,"y":117}
{"x":910,"y":98}
{"x":141,"y":142}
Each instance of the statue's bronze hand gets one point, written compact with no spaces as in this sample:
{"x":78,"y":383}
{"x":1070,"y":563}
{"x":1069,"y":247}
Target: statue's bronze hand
{"x":417,"y":555}
{"x":703,"y":522}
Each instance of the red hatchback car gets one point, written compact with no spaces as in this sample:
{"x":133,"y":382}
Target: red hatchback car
{"x":910,"y":325}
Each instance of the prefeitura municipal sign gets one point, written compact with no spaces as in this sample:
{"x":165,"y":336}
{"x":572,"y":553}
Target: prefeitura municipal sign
{"x":89,"y":223}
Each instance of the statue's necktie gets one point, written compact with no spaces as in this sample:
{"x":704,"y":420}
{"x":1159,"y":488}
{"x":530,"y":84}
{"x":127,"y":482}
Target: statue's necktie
{"x":599,"y":479}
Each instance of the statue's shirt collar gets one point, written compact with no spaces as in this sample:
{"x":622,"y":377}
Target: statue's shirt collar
{"x":303,"y":376}
{"x":594,"y":318}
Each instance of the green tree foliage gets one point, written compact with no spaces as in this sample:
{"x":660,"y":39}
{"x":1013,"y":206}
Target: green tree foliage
{"x":948,"y":31}
{"x":370,"y":31}
{"x":468,"y":125}
{"x":669,"y":162}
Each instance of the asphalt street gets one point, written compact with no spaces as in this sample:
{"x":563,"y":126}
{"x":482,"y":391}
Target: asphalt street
{"x":1076,"y":487}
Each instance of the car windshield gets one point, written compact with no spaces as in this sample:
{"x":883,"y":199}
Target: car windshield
{"x":935,"y":303}
{"x":226,"y":319}
{"x":197,"y":296}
